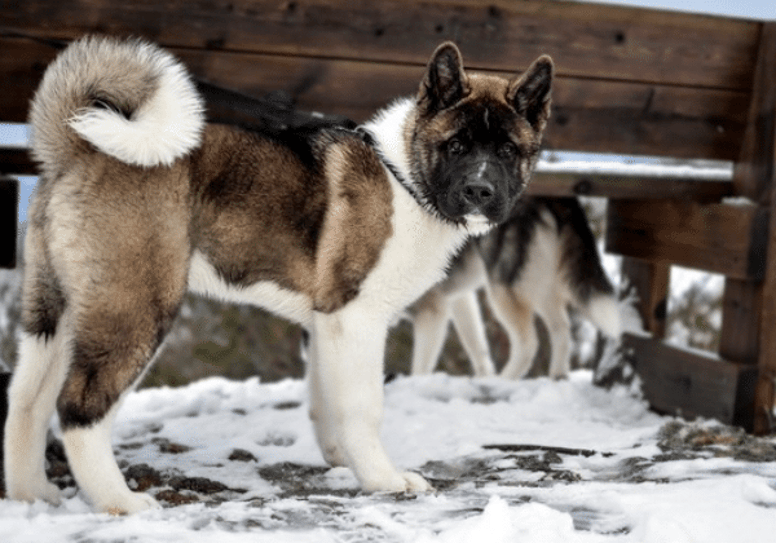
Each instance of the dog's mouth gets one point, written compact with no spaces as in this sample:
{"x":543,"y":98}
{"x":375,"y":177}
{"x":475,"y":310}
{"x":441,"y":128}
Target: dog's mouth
{"x":477,"y":224}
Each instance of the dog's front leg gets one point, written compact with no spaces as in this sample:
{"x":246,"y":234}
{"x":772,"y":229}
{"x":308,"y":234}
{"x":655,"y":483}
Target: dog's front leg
{"x":346,"y":381}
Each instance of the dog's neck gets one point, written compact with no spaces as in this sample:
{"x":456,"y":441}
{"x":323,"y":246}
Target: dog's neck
{"x":385,"y":132}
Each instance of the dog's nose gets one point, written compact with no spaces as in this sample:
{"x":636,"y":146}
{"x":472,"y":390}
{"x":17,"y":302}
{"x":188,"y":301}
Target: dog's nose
{"x":478,"y":193}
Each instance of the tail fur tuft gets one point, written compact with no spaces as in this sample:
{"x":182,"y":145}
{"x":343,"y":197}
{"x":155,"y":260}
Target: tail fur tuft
{"x":130,"y":99}
{"x":605,"y":313}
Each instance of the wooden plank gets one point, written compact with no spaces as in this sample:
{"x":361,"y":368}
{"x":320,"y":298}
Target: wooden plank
{"x":692,"y":384}
{"x":727,"y":239}
{"x":651,"y":282}
{"x":547,"y":183}
{"x":9,"y":217}
{"x":588,"y":116}
{"x":598,"y":41}
{"x":647,"y":119}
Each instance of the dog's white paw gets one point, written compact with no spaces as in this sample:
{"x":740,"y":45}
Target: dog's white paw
{"x":398,"y":482}
{"x":416,"y":483}
{"x":41,"y":490}
{"x":128,"y":503}
{"x":334,"y":457}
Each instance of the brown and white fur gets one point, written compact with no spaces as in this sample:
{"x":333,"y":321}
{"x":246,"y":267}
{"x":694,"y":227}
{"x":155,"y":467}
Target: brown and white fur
{"x":540,"y":262}
{"x":139,"y":200}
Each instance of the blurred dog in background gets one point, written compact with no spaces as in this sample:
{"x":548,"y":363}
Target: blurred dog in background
{"x":540,"y":262}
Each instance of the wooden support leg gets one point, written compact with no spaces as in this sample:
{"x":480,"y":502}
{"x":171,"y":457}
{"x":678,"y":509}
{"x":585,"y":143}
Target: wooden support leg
{"x":651,"y":282}
{"x":741,"y":307}
{"x":755,"y":177}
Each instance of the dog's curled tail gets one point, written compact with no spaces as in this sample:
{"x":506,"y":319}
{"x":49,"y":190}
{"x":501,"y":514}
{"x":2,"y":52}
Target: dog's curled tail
{"x":128,"y":98}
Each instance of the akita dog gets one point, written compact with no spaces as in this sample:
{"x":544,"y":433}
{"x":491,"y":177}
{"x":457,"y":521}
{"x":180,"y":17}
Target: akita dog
{"x":541,"y":261}
{"x":339,"y":230}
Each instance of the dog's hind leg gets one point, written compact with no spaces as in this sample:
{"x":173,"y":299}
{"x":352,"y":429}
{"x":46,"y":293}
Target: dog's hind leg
{"x":556,"y":316}
{"x":517,"y":318}
{"x":37,"y":379}
{"x":469,"y":325}
{"x":429,"y":330}
{"x":112,"y":348}
{"x":36,"y":382}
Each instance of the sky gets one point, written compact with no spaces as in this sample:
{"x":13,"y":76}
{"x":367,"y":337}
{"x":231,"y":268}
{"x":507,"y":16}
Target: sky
{"x":748,"y":9}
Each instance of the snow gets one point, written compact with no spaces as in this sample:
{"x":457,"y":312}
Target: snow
{"x":633,"y":165}
{"x":565,"y":462}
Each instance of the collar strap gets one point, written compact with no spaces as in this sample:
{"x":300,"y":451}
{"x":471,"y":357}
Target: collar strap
{"x":370,"y":140}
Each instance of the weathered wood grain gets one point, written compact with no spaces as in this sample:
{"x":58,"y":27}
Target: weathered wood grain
{"x":727,"y":239}
{"x":589,"y":115}
{"x":692,"y":384}
{"x":587,"y":40}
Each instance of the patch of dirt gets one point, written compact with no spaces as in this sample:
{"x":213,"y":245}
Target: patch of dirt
{"x":241,"y":455}
{"x":166,"y":446}
{"x":690,"y":440}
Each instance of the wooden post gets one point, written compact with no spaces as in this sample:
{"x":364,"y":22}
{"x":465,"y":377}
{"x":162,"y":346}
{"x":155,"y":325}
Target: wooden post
{"x":741,"y":307}
{"x":755,"y":177}
{"x":651,"y":282}
{"x":9,"y":218}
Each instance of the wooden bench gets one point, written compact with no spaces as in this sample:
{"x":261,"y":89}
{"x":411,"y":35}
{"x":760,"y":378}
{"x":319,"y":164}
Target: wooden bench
{"x":630,"y":81}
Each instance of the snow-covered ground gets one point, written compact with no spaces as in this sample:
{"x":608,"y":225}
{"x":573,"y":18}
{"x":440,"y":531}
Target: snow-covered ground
{"x":535,"y":461}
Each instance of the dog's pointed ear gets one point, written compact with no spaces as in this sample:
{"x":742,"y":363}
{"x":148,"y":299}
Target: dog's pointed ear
{"x":445,"y":82}
{"x":530,"y":93}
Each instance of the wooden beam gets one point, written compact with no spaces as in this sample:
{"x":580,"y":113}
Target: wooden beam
{"x":590,"y":41}
{"x":588,"y":115}
{"x":691,"y":384}
{"x":727,"y":239}
{"x":548,"y":183}
{"x":9,"y":217}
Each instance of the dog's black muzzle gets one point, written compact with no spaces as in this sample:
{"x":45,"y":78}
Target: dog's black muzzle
{"x":480,"y":189}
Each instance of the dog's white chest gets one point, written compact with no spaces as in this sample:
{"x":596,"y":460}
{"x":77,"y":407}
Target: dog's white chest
{"x":413,"y":259}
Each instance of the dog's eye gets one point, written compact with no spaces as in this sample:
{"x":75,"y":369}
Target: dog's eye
{"x":455,"y":146}
{"x":508,"y":150}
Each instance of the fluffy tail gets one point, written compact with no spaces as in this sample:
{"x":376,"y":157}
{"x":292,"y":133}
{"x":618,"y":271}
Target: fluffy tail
{"x":129,"y":99}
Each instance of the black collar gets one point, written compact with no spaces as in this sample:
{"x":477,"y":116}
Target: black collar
{"x":370,"y":140}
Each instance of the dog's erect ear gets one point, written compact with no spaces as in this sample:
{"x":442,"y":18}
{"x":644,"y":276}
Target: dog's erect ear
{"x":530,"y":93}
{"x":445,"y":82}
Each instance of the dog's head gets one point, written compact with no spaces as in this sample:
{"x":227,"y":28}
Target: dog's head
{"x":476,"y":138}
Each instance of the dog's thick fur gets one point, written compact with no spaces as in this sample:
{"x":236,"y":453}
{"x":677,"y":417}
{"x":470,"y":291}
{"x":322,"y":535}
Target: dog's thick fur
{"x":139,"y":201}
{"x":541,"y":261}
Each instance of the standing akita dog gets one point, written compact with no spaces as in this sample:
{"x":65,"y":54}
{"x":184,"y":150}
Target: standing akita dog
{"x":541,"y":261}
{"x":139,"y":201}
